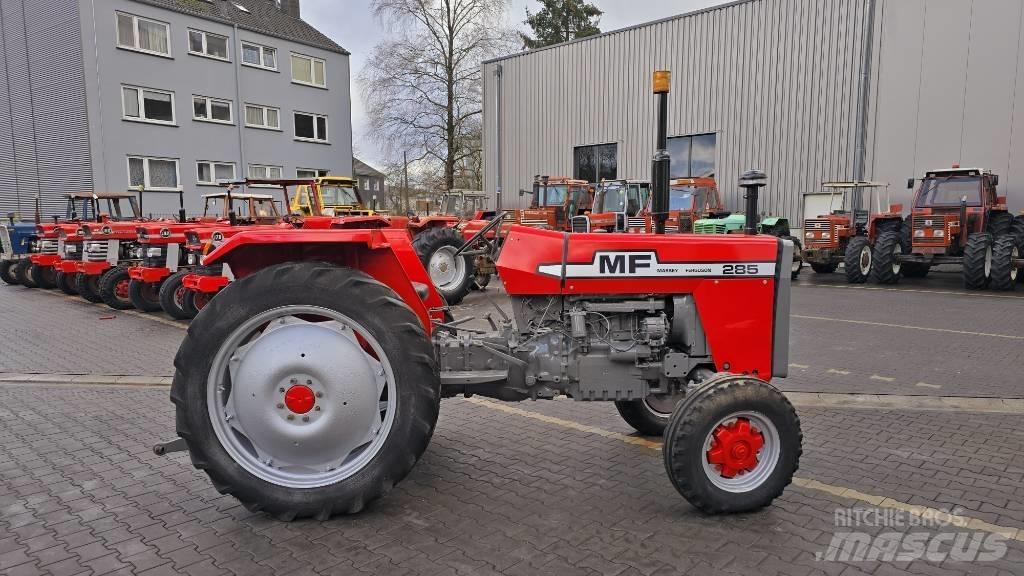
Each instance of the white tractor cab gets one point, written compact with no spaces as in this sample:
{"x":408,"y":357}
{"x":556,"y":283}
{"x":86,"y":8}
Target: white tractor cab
{"x":464,"y":204}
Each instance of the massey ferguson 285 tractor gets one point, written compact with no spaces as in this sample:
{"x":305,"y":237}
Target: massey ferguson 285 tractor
{"x":311,"y":385}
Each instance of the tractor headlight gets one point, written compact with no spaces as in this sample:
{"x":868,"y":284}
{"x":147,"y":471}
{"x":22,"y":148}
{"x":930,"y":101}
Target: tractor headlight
{"x":939,"y":233}
{"x":191,"y":259}
{"x":138,"y":252}
{"x":826,"y":235}
{"x":918,"y":233}
{"x":153,"y":252}
{"x":70,"y":248}
{"x":808,"y":234}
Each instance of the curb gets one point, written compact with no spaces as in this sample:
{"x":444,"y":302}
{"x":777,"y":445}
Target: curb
{"x":84,"y":379}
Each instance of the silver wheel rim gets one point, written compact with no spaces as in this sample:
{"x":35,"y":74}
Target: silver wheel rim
{"x":447,"y":271}
{"x":767,"y":456}
{"x":797,"y":263}
{"x":897,"y":251}
{"x":263,"y":361}
{"x":988,"y":262}
{"x":865,"y":260}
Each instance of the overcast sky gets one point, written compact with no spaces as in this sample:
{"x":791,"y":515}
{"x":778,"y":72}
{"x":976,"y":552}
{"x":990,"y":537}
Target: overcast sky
{"x":350,"y":23}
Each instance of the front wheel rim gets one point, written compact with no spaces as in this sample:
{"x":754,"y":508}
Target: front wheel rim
{"x":897,"y":251}
{"x":988,"y":262}
{"x":446,"y":269}
{"x":301,"y":396}
{"x":731,"y":461}
{"x":1014,"y":255}
{"x":865,"y":260}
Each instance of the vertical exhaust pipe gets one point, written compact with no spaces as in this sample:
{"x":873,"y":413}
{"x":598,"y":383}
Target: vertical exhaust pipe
{"x":662,"y":161}
{"x":752,"y":181}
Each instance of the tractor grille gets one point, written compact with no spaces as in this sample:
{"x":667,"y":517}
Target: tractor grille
{"x":637,"y":222}
{"x":928,"y":224}
{"x":95,"y":252}
{"x":5,"y":241}
{"x":817,"y":225}
{"x":73,"y":251}
{"x":533,"y":222}
{"x":580,"y":224}
{"x":709,"y":228}
{"x":48,"y":247}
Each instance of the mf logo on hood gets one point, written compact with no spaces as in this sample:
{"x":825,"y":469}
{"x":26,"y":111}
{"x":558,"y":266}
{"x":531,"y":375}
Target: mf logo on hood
{"x":645,"y":264}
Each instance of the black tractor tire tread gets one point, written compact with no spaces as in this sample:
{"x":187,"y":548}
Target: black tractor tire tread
{"x":828,"y":268}
{"x":1000,"y":222}
{"x":394,"y":324}
{"x":44,"y":277}
{"x":20,"y":272}
{"x":7,"y":272}
{"x":427,"y":242}
{"x":851,"y":260}
{"x":690,"y":424}
{"x":167,"y":289}
{"x":640,"y":418}
{"x":1002,"y":263}
{"x":907,"y":234}
{"x":67,"y":283}
{"x":88,"y":288}
{"x":137,"y":294}
{"x":974,"y":261}
{"x":882,"y":257}
{"x":798,"y":248}
{"x":188,"y":304}
{"x":1017,"y":227}
{"x":108,"y":284}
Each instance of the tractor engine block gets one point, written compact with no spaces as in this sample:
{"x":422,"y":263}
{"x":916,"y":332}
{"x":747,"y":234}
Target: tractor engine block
{"x":590,"y":348}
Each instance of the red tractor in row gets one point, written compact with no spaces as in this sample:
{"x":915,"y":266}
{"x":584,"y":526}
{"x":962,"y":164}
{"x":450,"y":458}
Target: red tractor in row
{"x":312,"y":384}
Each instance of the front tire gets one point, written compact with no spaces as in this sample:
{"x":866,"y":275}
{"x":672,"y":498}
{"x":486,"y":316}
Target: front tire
{"x":858,"y":260}
{"x":115,"y":287}
{"x":21,"y":274}
{"x":193,"y":302}
{"x":1004,"y":273}
{"x":88,"y":287}
{"x":886,"y":266}
{"x":67,"y":282}
{"x":7,"y":272}
{"x":733,"y":445}
{"x":452,"y":275}
{"x":144,"y":296}
{"x":798,"y":261}
{"x":292,"y":338}
{"x":172,"y":296}
{"x":44,"y":277}
{"x":977,"y":261}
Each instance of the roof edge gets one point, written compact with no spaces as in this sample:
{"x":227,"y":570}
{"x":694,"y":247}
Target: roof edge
{"x":722,"y":6}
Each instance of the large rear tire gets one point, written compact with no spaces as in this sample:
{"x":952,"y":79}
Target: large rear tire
{"x":305,"y":340}
{"x":886,"y":266}
{"x":999,"y":223}
{"x":44,"y":277}
{"x":145,"y":296}
{"x":452,"y":275}
{"x":858,"y":260}
{"x":20,"y":272}
{"x":1004,"y":274}
{"x":115,"y":287}
{"x":977,"y":261}
{"x":88,"y":287}
{"x":172,"y":296}
{"x":67,"y":283}
{"x":7,"y":272}
{"x":733,"y":445}
{"x":1017,"y":228}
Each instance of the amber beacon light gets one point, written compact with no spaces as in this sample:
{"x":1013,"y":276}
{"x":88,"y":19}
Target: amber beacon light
{"x":662,"y":80}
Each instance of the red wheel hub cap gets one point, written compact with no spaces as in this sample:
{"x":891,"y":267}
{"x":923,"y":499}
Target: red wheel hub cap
{"x":299,"y":399}
{"x":734,"y":448}
{"x":121,"y":289}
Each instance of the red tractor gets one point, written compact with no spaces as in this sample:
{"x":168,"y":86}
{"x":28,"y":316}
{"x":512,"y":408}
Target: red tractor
{"x":617,"y":207}
{"x":554,"y":202}
{"x":312,"y":384}
{"x":957,"y":218}
{"x":847,"y":235}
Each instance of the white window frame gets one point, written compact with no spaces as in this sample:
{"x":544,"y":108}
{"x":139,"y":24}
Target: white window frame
{"x":262,"y":65}
{"x":142,"y":108}
{"x":314,"y":140}
{"x":145,"y":172}
{"x":205,"y":53}
{"x":263,"y":126}
{"x":209,"y":109}
{"x":135,"y":34}
{"x":265,"y":176}
{"x":312,"y":70}
{"x":317,"y":172}
{"x":213,"y":171}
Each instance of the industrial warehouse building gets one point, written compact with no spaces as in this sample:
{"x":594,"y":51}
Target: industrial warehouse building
{"x":806,"y":90}
{"x":172,"y":95}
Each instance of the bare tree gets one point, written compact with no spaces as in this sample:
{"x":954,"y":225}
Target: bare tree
{"x":422,"y":86}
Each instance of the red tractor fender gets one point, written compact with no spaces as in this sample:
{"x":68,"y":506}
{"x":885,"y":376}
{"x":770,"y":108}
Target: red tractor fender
{"x":427,"y":222}
{"x":385,"y":254}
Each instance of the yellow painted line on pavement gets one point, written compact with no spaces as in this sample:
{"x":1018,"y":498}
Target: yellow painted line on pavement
{"x":906,"y":327}
{"x":979,"y":294}
{"x":806,"y":483}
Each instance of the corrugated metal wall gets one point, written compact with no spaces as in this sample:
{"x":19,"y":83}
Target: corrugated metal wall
{"x":776,"y":80}
{"x":44,"y":143}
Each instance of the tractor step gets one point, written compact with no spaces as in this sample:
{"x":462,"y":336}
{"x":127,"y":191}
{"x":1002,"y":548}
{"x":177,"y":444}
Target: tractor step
{"x":176,"y":445}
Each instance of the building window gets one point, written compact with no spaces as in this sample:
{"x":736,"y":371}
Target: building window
{"x":153,"y":173}
{"x":310,"y":127}
{"x":595,"y":163}
{"x":692,"y":156}
{"x":257,"y":116}
{"x":207,"y":44}
{"x":210,"y":172}
{"x":208,"y":109}
{"x":308,"y":70}
{"x":145,"y":105}
{"x":143,"y":35}
{"x":259,"y":56}
{"x":310,"y":172}
{"x":262,"y":172}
